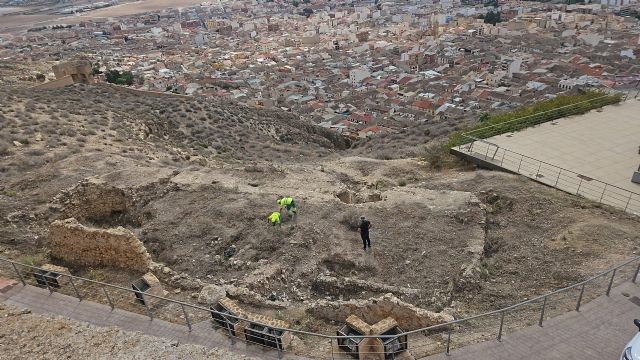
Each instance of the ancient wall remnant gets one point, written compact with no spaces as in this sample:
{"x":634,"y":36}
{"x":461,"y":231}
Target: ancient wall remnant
{"x":95,"y":202}
{"x":79,"y":245}
{"x":154,"y":288}
{"x":244,"y":328}
{"x":409,"y":317}
{"x":78,"y":70}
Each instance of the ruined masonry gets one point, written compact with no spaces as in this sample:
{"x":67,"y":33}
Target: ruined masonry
{"x":74,"y":243}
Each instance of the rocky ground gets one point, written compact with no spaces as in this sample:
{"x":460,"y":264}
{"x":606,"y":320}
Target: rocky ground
{"x":196,"y":184}
{"x":28,"y":336}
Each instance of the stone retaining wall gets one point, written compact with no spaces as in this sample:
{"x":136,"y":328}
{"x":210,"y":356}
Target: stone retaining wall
{"x":76,"y":244}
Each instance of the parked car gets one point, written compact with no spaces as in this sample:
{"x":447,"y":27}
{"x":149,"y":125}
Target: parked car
{"x":632,"y":349}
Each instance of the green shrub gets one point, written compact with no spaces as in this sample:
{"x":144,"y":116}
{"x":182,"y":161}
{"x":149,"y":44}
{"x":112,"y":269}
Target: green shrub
{"x":35,"y":260}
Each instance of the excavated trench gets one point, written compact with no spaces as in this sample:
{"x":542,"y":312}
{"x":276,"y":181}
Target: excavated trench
{"x":352,"y":197}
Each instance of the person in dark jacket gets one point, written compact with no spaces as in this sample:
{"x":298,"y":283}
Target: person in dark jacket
{"x":365,"y":225}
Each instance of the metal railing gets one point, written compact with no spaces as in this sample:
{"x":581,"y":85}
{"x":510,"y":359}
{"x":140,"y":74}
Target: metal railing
{"x":555,"y":176}
{"x":474,"y":144}
{"x":421,"y":343}
{"x":540,"y":117}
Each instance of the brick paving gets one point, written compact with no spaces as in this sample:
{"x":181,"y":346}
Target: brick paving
{"x":599,"y":331}
{"x":40,"y":301}
{"x":599,"y":149}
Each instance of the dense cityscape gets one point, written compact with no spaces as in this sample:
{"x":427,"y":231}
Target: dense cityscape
{"x":359,"y":68}
{"x":320,"y":179}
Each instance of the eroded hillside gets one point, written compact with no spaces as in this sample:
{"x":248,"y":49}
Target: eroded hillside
{"x":192,"y":180}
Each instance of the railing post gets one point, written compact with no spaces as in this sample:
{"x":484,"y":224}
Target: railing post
{"x":579,"y":185}
{"x":486,"y":154}
{"x":539,"y":167}
{"x":108,"y":297}
{"x":580,"y":298}
{"x":75,"y":289}
{"x":46,"y":281}
{"x":504,"y":152}
{"x":558,"y":178}
{"x":448,"y":342}
{"x":501,"y":324}
{"x":635,"y":276}
{"x":611,"y":281}
{"x":144,"y":302}
{"x":628,"y":201}
{"x":19,"y":274}
{"x":186,"y":317}
{"x":331,"y":345}
{"x":603,"y":191}
{"x":520,"y":164}
{"x":544,"y":305}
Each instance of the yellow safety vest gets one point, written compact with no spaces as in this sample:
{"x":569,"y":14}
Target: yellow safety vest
{"x":274,"y":217}
{"x":285,"y":201}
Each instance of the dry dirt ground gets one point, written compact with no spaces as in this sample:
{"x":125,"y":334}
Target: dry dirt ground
{"x":204,"y":176}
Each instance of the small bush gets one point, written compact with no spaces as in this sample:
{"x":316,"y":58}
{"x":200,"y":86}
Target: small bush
{"x":434,"y":154}
{"x":351,"y":219}
{"x":96,"y":275}
{"x":35,"y":260}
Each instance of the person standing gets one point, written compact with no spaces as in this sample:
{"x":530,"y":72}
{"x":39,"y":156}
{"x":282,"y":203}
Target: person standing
{"x":365,"y":225}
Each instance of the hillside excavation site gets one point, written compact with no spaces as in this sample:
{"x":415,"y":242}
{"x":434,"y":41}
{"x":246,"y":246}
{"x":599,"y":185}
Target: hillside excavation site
{"x":112,"y":193}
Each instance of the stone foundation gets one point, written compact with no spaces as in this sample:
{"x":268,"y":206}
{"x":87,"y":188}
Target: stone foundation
{"x":409,"y":317}
{"x":241,"y":325}
{"x":76,"y":244}
{"x":92,"y":200}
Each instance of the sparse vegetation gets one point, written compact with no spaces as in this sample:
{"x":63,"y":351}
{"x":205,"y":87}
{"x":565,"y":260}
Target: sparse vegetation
{"x":96,"y":275}
{"x":38,"y":259}
{"x":119,"y":78}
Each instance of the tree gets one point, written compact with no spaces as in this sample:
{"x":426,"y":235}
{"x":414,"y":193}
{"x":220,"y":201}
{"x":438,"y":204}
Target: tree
{"x":95,"y":69}
{"x":492,"y":18}
{"x":40,"y":77}
{"x":112,"y":76}
{"x":484,"y":117}
{"x":115,"y":77}
{"x":295,"y":3}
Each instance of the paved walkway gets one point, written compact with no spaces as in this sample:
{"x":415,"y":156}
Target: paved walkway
{"x":598,"y":332}
{"x":39,"y":301}
{"x":601,"y":145}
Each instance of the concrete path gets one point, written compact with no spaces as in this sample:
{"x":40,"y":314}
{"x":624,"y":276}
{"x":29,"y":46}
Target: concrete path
{"x":598,"y":332}
{"x":39,"y":301}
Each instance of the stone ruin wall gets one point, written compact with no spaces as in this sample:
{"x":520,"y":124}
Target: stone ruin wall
{"x":78,"y":70}
{"x":76,"y":244}
{"x":409,"y":317}
{"x":92,"y":200}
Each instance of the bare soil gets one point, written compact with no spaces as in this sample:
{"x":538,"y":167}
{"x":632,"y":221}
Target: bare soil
{"x":205,"y":177}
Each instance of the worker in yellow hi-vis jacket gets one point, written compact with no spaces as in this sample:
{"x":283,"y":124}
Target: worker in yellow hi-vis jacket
{"x":289,"y":205}
{"x":274,"y":218}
